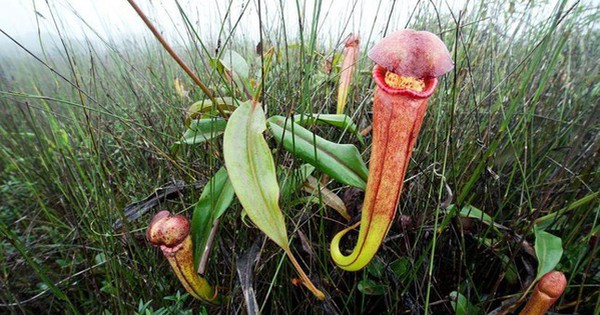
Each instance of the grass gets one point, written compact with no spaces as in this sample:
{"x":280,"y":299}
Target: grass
{"x":513,"y":130}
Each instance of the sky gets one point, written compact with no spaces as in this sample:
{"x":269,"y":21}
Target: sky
{"x":115,"y":19}
{"x":23,"y":19}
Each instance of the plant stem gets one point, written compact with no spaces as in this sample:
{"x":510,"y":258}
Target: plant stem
{"x":176,"y":57}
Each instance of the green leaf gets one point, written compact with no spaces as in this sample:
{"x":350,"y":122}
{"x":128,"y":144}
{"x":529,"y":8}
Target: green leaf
{"x":266,"y":64}
{"x":370,"y":287}
{"x":548,"y":249}
{"x":375,"y":268}
{"x":469,"y":211}
{"x":401,"y":267}
{"x":340,"y":161}
{"x":341,"y":121}
{"x":100,"y":258}
{"x":216,"y":197}
{"x":461,"y":304}
{"x":206,"y":106}
{"x":202,"y":130}
{"x":236,"y":64}
{"x":252,"y":171}
{"x":109,"y":288}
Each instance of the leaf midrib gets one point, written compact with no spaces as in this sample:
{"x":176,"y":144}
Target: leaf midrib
{"x":327,"y":152}
{"x":249,"y":135}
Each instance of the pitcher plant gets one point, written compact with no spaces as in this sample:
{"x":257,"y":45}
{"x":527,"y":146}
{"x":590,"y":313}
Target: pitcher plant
{"x":407,"y":64}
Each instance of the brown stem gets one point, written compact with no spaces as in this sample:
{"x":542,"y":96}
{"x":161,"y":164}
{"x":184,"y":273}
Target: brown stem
{"x":173,"y":54}
{"x":305,"y":280}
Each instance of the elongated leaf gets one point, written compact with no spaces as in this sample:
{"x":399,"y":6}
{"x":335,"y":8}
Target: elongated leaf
{"x":370,"y":287}
{"x":548,"y":249}
{"x":226,"y":104}
{"x":216,"y":197}
{"x":236,"y":64}
{"x":202,"y":130}
{"x":267,"y":58}
{"x":252,"y":171}
{"x":469,"y":211}
{"x":340,"y":161}
{"x":341,"y":121}
{"x":328,"y":197}
{"x":511,"y":274}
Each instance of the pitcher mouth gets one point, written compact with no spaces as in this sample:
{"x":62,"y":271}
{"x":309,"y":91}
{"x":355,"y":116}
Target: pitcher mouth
{"x":396,"y":84}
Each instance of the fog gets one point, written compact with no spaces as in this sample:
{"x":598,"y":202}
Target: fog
{"x":27,"y":20}
{"x":31,"y":22}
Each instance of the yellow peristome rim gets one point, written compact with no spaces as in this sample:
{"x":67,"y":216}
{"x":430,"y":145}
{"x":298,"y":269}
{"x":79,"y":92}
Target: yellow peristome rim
{"x":405,"y":83}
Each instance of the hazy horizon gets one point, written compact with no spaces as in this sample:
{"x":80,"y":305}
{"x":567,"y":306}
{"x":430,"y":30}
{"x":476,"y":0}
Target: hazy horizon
{"x":115,"y":20}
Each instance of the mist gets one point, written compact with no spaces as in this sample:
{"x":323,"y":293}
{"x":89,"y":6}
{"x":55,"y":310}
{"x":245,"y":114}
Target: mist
{"x":40,"y":24}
